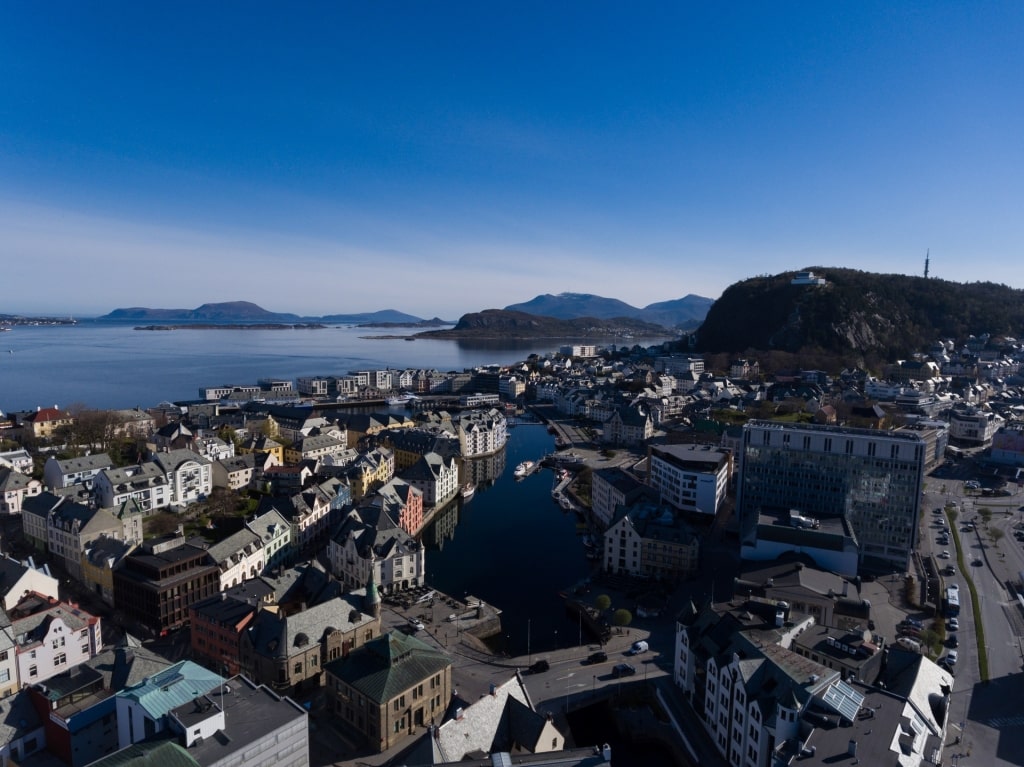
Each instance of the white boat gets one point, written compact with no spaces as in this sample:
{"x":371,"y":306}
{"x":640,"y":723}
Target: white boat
{"x":467,"y":491}
{"x":401,"y":399}
{"x":523,"y":469}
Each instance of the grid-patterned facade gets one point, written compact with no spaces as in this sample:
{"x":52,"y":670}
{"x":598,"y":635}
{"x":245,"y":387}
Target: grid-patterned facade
{"x":872,"y":478}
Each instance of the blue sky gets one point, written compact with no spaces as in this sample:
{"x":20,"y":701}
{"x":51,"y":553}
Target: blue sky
{"x":442,"y":158}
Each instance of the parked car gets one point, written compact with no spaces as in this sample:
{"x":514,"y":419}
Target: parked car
{"x":417,"y":624}
{"x":954,"y":624}
{"x":951,"y":657}
{"x":539,"y":667}
{"x":623,"y":669}
{"x":597,"y":657}
{"x":638,"y":647}
{"x":952,"y":641}
{"x":944,"y":554}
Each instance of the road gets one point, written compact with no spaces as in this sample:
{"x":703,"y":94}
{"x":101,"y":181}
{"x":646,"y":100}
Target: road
{"x":987,"y":717}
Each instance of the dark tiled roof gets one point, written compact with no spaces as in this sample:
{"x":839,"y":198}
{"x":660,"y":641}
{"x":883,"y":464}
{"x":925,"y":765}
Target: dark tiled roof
{"x":388,"y":665}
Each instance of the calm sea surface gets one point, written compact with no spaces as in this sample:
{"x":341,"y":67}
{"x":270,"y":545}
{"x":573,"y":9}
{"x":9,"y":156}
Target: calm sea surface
{"x":111,"y":365}
{"x":515,"y":548}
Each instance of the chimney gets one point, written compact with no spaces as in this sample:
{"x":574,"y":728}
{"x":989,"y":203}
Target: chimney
{"x":846,"y":587}
{"x":606,"y":752}
{"x":459,"y":712}
{"x":494,"y":690}
{"x":851,"y":750}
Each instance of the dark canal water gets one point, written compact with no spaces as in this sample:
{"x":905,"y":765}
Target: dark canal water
{"x":513,"y":547}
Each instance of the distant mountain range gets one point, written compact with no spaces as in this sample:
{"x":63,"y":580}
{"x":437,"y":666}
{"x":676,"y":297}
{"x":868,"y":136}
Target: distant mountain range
{"x":686,"y":313}
{"x":245,"y":311}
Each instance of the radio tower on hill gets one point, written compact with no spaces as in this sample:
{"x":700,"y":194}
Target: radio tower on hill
{"x":927,"y":257}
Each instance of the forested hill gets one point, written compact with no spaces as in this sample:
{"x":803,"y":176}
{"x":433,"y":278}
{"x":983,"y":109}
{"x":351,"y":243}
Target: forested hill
{"x":878,"y":315}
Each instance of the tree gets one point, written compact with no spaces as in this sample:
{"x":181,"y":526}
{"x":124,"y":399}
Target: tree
{"x":996,"y":535}
{"x":622,"y":617}
{"x":985,"y":513}
{"x":603,"y":602}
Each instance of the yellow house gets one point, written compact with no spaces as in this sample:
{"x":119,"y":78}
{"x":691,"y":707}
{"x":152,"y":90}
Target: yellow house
{"x":46,"y":421}
{"x":260,"y":443}
{"x":370,"y":471}
{"x":98,"y":560}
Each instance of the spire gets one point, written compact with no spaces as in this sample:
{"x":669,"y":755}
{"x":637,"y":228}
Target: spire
{"x":372,"y":595}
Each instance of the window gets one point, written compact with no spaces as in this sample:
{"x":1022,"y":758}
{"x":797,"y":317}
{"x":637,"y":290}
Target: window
{"x":33,"y":671}
{"x":298,"y":668}
{"x":59,"y":658}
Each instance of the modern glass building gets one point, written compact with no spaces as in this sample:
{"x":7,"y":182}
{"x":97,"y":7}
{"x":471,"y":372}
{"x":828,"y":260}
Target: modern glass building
{"x":871,"y":479}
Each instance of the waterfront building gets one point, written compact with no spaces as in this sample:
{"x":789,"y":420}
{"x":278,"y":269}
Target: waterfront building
{"x":434,"y":476}
{"x":867,"y":483}
{"x":390,"y":688}
{"x":647,"y":540}
{"x":481,"y":432}
{"x":692,"y":478}
{"x":371,"y":544}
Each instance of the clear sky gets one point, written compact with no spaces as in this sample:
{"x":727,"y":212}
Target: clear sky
{"x":447,"y":157}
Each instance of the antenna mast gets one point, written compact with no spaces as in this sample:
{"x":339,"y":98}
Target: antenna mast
{"x":927,"y":257}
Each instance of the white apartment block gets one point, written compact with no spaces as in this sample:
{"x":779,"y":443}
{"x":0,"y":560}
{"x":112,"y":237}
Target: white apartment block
{"x":189,"y":475}
{"x":144,"y":484}
{"x":611,"y":488}
{"x":677,"y":365}
{"x":693,"y":478}
{"x":481,"y":432}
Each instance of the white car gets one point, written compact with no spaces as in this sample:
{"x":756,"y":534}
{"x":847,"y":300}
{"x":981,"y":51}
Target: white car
{"x":951,"y":657}
{"x":954,"y":624}
{"x":945,"y":554}
{"x":417,"y":624}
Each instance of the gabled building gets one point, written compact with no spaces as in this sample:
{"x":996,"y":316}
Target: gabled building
{"x":217,"y":624}
{"x":236,"y":473}
{"x":261,"y":443}
{"x":650,"y":541}
{"x":15,"y":487}
{"x":390,"y":688}
{"x":481,"y":432}
{"x":74,"y":471}
{"x":144,"y":484}
{"x":71,"y":526}
{"x":189,"y":476}
{"x":173,"y":436}
{"x":316,"y":447}
{"x":51,"y":636}
{"x":370,"y":471}
{"x":434,"y":476}
{"x":276,"y":534}
{"x":46,"y":422}
{"x":372,"y":545}
{"x":628,"y":426}
{"x":240,"y":557}
{"x":18,"y":578}
{"x":99,"y":558}
{"x":288,"y":652}
{"x":502,"y":721}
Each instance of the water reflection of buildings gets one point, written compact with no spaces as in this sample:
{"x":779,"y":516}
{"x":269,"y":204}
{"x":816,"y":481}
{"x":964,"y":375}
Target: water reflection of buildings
{"x":479,"y":472}
{"x":442,"y":526}
{"x":484,"y":472}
